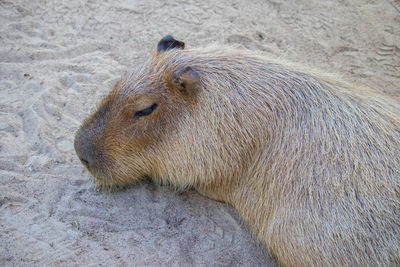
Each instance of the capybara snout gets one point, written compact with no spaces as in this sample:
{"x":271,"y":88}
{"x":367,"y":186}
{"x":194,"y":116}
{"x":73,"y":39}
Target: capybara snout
{"x":84,"y":150}
{"x":89,"y":140}
{"x":311,"y":164}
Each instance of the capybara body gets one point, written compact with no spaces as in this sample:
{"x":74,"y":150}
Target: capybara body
{"x":312,"y":165}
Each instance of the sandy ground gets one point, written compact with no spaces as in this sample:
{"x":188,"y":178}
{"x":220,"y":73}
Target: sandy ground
{"x":59,"y":58}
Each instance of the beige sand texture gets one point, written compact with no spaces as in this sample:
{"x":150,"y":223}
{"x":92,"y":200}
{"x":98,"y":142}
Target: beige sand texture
{"x":59,"y":58}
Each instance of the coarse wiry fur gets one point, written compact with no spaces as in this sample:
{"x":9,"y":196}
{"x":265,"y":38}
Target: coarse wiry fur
{"x":312,"y":166}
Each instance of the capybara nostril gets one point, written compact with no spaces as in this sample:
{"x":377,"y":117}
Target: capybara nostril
{"x":85,"y":162}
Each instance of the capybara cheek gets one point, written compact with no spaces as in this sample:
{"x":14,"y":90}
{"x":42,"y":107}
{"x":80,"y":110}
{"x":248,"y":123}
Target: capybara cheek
{"x":126,"y":168}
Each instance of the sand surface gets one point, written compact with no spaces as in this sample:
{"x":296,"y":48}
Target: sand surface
{"x":59,"y":58}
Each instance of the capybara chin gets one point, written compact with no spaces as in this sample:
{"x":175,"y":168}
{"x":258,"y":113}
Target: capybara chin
{"x":312,"y":165}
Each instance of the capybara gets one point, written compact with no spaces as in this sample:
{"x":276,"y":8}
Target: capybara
{"x":311,"y":164}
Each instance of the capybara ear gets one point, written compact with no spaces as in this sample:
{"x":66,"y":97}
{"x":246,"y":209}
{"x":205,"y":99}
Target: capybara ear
{"x":168,"y":42}
{"x":185,"y":80}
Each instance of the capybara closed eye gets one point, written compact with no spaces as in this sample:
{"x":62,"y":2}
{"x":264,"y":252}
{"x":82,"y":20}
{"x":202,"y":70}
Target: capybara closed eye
{"x":311,"y":164}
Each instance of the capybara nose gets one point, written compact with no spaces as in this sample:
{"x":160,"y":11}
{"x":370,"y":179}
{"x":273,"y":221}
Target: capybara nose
{"x":84,"y":150}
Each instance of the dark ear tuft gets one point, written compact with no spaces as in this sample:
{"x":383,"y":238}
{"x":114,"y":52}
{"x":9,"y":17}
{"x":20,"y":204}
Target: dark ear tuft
{"x":185,"y":80}
{"x":168,"y":42}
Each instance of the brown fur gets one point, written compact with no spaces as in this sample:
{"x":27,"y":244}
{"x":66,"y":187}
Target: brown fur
{"x":311,"y":164}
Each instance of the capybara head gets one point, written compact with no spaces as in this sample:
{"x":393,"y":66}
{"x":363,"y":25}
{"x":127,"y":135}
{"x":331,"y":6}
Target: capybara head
{"x":134,"y":132}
